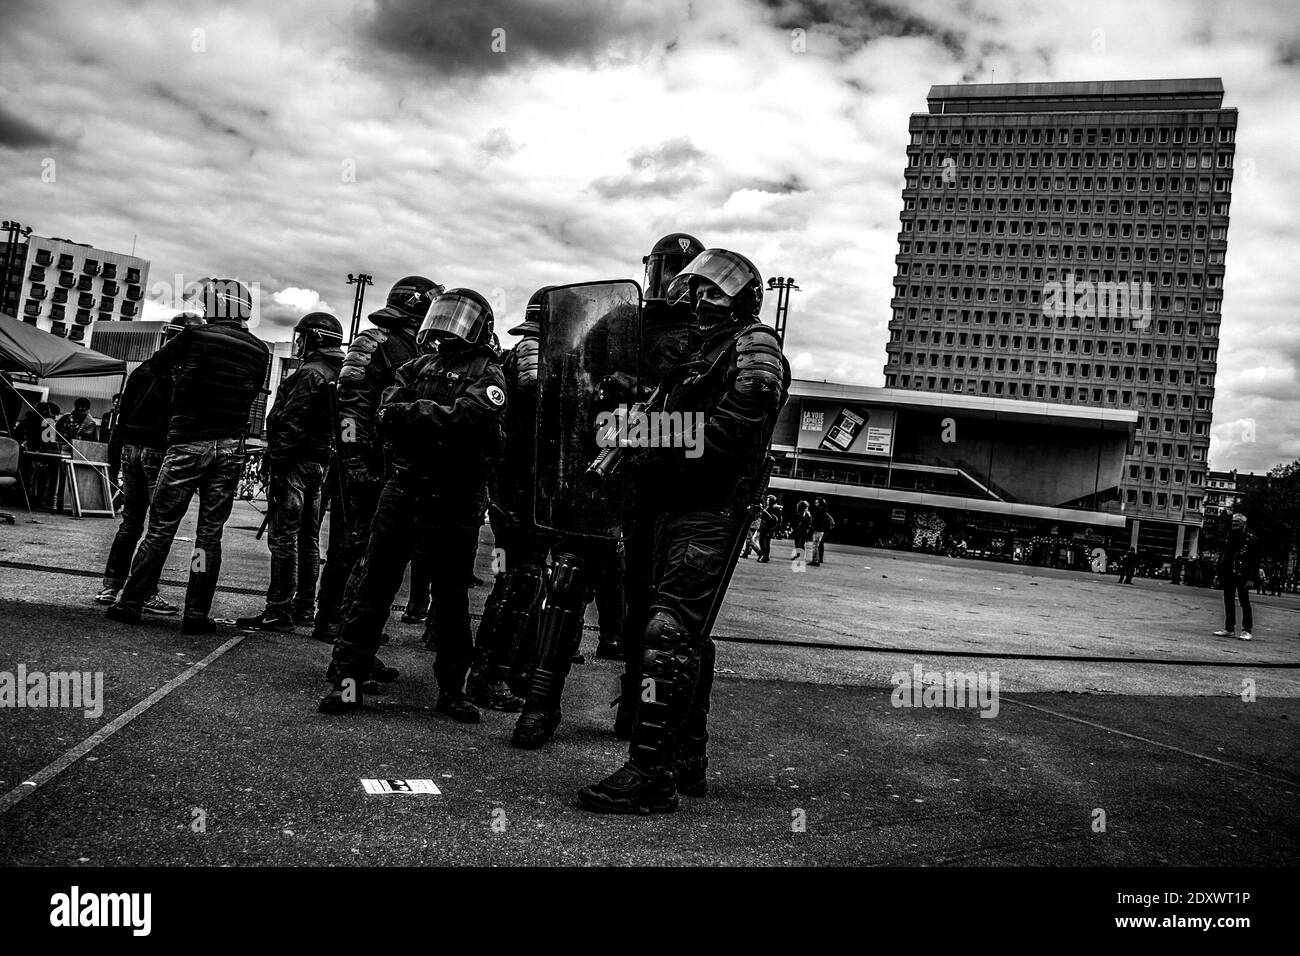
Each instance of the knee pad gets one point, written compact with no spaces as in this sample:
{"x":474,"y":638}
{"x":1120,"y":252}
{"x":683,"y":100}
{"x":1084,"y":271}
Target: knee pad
{"x":668,"y":655}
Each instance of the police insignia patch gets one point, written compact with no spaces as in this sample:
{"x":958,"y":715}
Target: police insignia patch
{"x":495,"y":395}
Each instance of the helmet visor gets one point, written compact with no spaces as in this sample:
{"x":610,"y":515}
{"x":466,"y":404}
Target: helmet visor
{"x":452,"y":315}
{"x":660,"y":270}
{"x":724,"y":269}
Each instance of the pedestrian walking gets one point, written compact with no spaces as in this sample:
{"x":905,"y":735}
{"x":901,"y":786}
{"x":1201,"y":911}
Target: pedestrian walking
{"x":1238,"y":568}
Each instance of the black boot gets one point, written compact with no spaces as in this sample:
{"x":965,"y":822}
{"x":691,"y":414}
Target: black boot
{"x":489,"y":689}
{"x":345,"y":697}
{"x":632,"y":790}
{"x":607,"y":650}
{"x":381,"y":672}
{"x":458,"y":707}
{"x":692,"y":776}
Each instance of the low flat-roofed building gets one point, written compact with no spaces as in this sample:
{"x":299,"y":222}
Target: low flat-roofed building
{"x":1004,"y":475}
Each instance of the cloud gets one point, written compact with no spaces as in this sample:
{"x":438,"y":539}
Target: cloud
{"x":306,"y":140}
{"x":672,"y":168}
{"x":474,"y":37}
{"x":16,"y":132}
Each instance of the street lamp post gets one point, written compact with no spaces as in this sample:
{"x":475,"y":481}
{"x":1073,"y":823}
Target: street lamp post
{"x":14,"y":229}
{"x":360,"y":280}
{"x":782,"y":285}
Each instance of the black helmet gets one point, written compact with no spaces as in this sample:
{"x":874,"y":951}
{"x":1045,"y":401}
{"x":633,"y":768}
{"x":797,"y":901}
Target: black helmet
{"x":224,"y":300}
{"x":532,"y":323}
{"x":457,"y":314}
{"x":666,"y":259}
{"x":408,"y":301}
{"x":179,"y":323}
{"x":731,"y":272}
{"x":317,"y":330}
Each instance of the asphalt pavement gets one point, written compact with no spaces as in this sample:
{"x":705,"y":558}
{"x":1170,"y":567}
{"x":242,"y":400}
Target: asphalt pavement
{"x":1123,"y":732}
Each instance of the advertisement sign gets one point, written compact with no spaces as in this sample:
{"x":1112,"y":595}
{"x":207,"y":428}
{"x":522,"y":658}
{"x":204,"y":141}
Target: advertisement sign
{"x":855,"y":429}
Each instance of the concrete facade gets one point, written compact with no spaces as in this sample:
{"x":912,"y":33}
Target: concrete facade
{"x":1065,"y":242}
{"x":64,"y":287}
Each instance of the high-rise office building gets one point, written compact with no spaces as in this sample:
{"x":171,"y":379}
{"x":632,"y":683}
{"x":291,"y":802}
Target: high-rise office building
{"x":1065,"y":242}
{"x":63,"y":287}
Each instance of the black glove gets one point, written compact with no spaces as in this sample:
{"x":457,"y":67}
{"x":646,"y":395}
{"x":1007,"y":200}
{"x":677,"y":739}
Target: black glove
{"x":391,"y":418}
{"x":618,"y":389}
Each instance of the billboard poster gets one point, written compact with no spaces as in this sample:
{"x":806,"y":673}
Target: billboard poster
{"x":855,"y":429}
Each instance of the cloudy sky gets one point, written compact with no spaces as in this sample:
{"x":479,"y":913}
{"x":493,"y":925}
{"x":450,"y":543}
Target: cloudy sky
{"x":506,"y":145}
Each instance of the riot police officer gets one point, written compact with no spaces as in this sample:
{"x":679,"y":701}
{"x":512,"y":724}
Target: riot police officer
{"x":369,"y":367}
{"x":510,"y":614}
{"x":738,"y":381}
{"x":669,"y":337}
{"x":442,"y":420}
{"x":300,"y":441}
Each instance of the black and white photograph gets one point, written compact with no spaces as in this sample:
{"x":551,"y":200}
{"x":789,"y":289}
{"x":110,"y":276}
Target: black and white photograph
{"x":772,"y":435}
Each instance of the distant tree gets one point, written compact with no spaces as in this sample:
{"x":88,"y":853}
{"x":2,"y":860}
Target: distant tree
{"x":1272,"y":509}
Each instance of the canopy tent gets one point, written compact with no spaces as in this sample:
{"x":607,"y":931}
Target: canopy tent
{"x":25,"y":348}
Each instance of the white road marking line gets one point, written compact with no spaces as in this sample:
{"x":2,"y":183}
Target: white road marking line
{"x":1147,"y":740}
{"x":48,"y":773}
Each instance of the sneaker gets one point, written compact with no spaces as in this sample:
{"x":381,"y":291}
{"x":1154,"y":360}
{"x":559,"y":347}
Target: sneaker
{"x":535,"y":727}
{"x":1245,"y":635}
{"x":409,"y":618}
{"x":122,"y":615}
{"x":578,"y":658}
{"x":608,"y":651}
{"x":156,"y":605}
{"x":198,"y":625}
{"x":264,"y":622}
{"x":304,"y":618}
{"x":631,"y":790}
{"x":458,"y":707}
{"x":1224,"y":633}
{"x":107,"y":596}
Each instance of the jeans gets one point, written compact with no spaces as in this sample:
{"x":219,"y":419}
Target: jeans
{"x":211,"y":468}
{"x":1232,"y":587}
{"x":818,"y":546}
{"x":139,"y":477}
{"x":406,"y":514}
{"x":294,"y":497}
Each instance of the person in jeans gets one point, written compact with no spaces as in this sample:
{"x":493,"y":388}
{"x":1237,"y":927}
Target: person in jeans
{"x":769,"y":523}
{"x":300,"y":440}
{"x":135,"y":449}
{"x":1238,"y":567}
{"x":38,"y":432}
{"x":801,"y":528}
{"x":822,"y":525}
{"x":219,"y":369}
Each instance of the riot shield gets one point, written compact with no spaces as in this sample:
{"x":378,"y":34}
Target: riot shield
{"x":589,"y":331}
